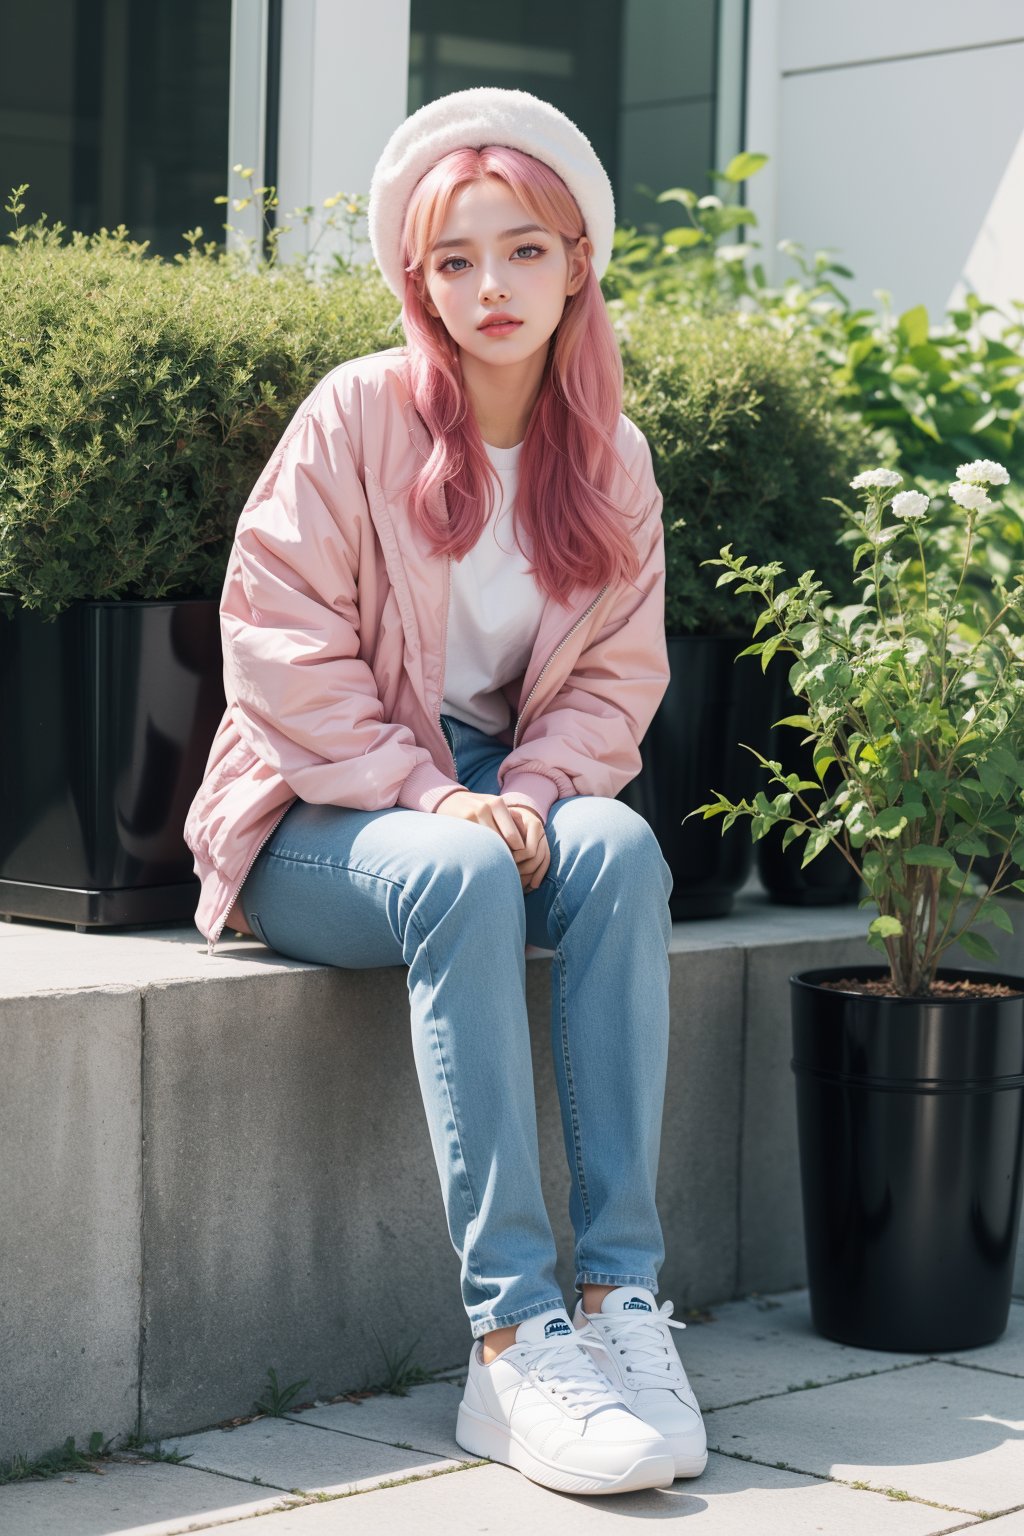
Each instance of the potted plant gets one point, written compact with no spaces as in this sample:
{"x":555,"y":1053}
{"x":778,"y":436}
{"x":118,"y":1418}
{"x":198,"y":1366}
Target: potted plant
{"x":139,"y":399}
{"x":909,"y":1076}
{"x":744,"y":430}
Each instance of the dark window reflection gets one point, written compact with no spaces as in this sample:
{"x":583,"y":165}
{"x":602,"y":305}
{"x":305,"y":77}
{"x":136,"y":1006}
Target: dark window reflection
{"x":638,"y":76}
{"x":117,"y":112}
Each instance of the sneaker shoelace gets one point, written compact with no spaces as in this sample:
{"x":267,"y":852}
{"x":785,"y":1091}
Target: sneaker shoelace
{"x":578,"y":1382}
{"x":651,"y":1357}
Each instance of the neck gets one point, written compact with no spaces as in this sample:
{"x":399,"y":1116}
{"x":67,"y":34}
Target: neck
{"x":502,"y":399}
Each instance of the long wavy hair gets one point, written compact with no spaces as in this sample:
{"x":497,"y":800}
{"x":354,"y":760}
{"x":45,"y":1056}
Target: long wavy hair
{"x":577,"y":534}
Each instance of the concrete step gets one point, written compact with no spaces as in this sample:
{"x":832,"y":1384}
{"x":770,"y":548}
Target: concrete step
{"x":214,"y":1166}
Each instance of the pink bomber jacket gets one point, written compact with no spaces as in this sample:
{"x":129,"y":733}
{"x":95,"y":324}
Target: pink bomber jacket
{"x":333,"y":621}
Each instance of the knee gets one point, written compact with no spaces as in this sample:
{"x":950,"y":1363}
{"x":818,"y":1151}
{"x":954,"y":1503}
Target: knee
{"x":475,"y":864}
{"x":619,"y":839}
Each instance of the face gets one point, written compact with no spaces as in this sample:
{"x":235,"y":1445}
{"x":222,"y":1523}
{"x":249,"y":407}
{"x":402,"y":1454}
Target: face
{"x":503,"y":262}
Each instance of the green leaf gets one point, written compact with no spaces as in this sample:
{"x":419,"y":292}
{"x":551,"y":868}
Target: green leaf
{"x":771,"y":646}
{"x":681,"y":238}
{"x":890,"y":822}
{"x":743,"y":165}
{"x":998,"y":916}
{"x":972,"y":845}
{"x":913,"y":325}
{"x":823,"y":755}
{"x":977,"y":945}
{"x":858,"y":351}
{"x":886,"y":927}
{"x":817,"y":842}
{"x":993,"y":781}
{"x":678,"y":195}
{"x":935,"y":858}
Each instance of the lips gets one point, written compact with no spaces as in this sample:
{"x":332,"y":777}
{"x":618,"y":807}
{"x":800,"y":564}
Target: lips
{"x":499,"y":320}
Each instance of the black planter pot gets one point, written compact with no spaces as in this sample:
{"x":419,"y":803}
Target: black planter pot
{"x":691,"y":749}
{"x":910,"y":1118}
{"x":828,"y":880}
{"x":109,"y":713}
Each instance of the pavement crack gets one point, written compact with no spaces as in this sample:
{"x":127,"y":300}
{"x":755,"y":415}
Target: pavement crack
{"x":836,"y":1381}
{"x":860,"y":1485}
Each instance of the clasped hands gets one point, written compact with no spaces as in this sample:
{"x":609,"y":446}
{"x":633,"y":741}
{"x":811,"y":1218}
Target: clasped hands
{"x":521,"y":829}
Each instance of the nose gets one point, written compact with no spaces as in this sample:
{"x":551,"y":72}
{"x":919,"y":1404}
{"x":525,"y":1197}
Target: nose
{"x":492,"y":286}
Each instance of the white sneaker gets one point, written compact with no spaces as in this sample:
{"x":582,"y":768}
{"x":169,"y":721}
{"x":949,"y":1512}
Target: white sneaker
{"x":635,"y":1350}
{"x":543,"y":1407}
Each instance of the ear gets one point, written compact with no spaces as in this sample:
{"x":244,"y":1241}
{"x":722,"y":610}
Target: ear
{"x":579,"y":262}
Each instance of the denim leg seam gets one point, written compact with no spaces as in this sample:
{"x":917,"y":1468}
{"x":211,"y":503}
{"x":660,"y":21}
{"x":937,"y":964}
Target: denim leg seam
{"x":559,"y":915}
{"x":464,"y":1180}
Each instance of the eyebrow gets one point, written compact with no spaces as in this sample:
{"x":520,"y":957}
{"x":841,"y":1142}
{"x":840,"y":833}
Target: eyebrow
{"x":506,"y":234}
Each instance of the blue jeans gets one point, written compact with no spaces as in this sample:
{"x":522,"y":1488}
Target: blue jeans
{"x":443,"y":896}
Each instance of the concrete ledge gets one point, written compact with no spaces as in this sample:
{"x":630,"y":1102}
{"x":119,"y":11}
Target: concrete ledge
{"x":214,"y":1165}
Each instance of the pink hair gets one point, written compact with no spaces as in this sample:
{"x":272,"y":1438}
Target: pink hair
{"x":577,"y":533}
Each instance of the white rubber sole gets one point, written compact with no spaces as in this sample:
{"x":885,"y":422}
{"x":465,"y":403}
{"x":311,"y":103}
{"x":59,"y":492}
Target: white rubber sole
{"x":690,"y":1466}
{"x":484,"y":1437}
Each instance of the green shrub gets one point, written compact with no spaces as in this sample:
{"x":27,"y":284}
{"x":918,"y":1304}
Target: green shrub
{"x":748,"y":438}
{"x":139,"y":400}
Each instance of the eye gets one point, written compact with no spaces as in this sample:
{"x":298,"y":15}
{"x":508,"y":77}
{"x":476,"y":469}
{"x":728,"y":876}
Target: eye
{"x":444,"y":266}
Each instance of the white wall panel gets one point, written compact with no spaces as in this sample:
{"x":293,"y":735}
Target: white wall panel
{"x":822,"y":32}
{"x":344,"y":90}
{"x":898,"y":165}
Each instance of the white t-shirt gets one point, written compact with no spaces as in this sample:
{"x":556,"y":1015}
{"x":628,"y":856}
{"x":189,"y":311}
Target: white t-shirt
{"x":494,"y":612}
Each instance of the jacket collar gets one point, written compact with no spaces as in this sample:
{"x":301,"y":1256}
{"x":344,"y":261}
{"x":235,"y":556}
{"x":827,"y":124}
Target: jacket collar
{"x":558,"y":620}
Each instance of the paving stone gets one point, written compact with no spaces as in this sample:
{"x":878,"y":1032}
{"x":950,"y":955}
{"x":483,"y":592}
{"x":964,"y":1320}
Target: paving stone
{"x":130,"y":1497}
{"x":1005,"y":1353}
{"x":767,"y":1344}
{"x":425,"y":1419}
{"x":730,"y":1498}
{"x":948,"y":1433}
{"x":281,"y":1453}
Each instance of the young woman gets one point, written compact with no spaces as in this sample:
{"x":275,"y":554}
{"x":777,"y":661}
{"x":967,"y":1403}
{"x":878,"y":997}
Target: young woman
{"x":443,"y":634}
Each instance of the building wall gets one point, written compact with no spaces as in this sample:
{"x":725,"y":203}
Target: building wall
{"x":897,"y":136}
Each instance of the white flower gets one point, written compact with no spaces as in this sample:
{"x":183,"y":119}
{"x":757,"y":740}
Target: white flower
{"x":909,"y":504}
{"x":983,"y":472}
{"x":971,"y":497}
{"x":733,"y":252}
{"x":875,"y":477}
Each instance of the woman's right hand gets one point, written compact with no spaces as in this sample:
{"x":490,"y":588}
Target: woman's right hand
{"x":491,"y":811}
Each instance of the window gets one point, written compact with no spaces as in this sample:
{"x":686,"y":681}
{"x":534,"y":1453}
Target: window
{"x":116,"y":112}
{"x":639,"y":77}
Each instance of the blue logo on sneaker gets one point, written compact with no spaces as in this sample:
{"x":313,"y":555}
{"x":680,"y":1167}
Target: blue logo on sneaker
{"x":636,"y":1304}
{"x":557,"y":1325}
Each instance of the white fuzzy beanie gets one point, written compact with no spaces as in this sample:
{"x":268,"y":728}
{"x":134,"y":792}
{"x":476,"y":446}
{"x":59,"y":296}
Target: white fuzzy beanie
{"x":479,"y":116}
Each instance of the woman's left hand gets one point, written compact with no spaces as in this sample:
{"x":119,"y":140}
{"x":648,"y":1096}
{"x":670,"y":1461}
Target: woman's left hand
{"x":534,"y":859}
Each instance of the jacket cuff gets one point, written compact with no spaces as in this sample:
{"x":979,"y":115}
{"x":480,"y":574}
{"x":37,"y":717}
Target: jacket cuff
{"x":534,"y":790}
{"x":425,"y":788}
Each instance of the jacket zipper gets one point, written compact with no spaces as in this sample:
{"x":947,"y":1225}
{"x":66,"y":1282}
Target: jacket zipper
{"x":554,"y":653}
{"x":211,"y":942}
{"x":444,"y":655}
{"x":215,"y":936}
